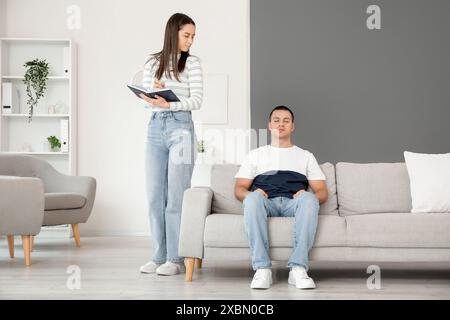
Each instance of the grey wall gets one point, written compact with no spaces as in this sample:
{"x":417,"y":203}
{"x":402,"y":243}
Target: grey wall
{"x":358,"y":95}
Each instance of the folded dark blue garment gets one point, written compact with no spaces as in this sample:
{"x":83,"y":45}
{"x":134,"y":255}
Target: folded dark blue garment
{"x":280,"y":183}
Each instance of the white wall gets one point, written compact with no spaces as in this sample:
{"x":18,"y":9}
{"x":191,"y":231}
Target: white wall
{"x":113,"y":41}
{"x":2,"y":17}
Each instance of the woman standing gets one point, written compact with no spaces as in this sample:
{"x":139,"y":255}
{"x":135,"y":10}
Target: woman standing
{"x":171,"y":140}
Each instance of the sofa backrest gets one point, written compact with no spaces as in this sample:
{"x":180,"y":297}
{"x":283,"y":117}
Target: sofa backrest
{"x":372,"y":188}
{"x":224,"y":201}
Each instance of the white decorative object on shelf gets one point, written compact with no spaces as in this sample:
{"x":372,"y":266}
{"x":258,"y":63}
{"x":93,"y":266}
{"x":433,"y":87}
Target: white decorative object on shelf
{"x":7,"y":97}
{"x":10,"y":98}
{"x":26,"y":148}
{"x":46,"y":146}
{"x":66,"y":60}
{"x":54,"y":115}
{"x":64,"y":135}
{"x":60,"y":107}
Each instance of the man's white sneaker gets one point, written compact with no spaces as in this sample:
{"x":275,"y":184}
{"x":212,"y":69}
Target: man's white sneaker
{"x":170,"y":268}
{"x":149,"y":267}
{"x":262,"y":279}
{"x":300,"y":279}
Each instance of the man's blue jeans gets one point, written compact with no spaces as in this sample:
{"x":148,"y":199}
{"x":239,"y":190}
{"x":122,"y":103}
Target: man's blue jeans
{"x":257,"y":209}
{"x":170,"y":156}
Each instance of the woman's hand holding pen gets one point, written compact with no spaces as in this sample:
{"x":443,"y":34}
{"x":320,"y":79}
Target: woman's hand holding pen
{"x":158,"y":84}
{"x":159,"y":101}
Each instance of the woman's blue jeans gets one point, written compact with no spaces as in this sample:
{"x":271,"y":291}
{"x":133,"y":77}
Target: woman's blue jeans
{"x":170,"y":157}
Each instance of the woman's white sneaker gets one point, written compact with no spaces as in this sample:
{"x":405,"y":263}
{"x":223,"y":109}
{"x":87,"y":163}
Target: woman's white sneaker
{"x":170,"y":268}
{"x":150,"y":267}
{"x":299,"y":278}
{"x":262,"y":279}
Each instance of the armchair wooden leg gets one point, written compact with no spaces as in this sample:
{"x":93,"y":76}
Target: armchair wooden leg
{"x":11,"y":245}
{"x":199,"y":263}
{"x":76,"y":234}
{"x":189,"y":262}
{"x":26,"y":243}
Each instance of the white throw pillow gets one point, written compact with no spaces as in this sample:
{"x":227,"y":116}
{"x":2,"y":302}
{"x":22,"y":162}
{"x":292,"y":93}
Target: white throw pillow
{"x":429,"y":176}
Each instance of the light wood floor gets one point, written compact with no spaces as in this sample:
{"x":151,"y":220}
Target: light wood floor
{"x":110,"y":270}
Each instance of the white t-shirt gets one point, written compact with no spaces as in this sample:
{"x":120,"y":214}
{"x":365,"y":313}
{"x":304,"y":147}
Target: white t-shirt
{"x":269,"y":158}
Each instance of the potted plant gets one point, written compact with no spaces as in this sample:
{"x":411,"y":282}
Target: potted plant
{"x":55,"y":144}
{"x":201,"y":146}
{"x":201,"y":151}
{"x":36,"y":78}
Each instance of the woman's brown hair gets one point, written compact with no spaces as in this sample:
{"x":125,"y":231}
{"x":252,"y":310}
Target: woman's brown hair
{"x":169,"y":53}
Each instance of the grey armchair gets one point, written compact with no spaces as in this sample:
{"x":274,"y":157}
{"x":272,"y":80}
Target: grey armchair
{"x":67,"y":199}
{"x":21,"y":211}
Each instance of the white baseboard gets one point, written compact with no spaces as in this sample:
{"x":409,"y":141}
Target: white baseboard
{"x":92,"y":233}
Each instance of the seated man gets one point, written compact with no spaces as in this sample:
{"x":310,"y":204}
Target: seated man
{"x":272,"y":182}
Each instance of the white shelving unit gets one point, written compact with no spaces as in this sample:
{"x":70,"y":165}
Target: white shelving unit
{"x":17,"y":135}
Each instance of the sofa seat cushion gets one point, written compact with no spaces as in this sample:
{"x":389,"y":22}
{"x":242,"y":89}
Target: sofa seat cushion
{"x":228,"y":230}
{"x":399,"y":230}
{"x":63,"y":201}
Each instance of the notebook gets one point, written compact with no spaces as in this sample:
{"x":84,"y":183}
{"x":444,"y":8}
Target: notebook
{"x":167,"y":94}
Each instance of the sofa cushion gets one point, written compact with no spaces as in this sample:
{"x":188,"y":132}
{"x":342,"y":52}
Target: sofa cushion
{"x":228,"y":230}
{"x":429,"y":176}
{"x":372,"y":188}
{"x":64,"y":200}
{"x":331,"y":206}
{"x":222,"y":183}
{"x":399,"y":230}
{"x":224,"y":201}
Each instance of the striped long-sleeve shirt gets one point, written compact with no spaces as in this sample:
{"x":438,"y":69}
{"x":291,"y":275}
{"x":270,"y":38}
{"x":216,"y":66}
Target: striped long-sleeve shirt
{"x":189,"y":89}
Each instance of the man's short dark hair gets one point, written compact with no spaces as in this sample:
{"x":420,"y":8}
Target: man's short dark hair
{"x":281,"y":108}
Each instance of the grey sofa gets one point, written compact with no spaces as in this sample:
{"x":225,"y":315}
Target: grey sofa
{"x":366,"y":218}
{"x":66,"y":199}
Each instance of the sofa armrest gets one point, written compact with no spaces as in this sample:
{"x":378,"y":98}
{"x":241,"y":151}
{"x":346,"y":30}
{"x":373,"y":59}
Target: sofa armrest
{"x":21,"y":205}
{"x":196,"y":207}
